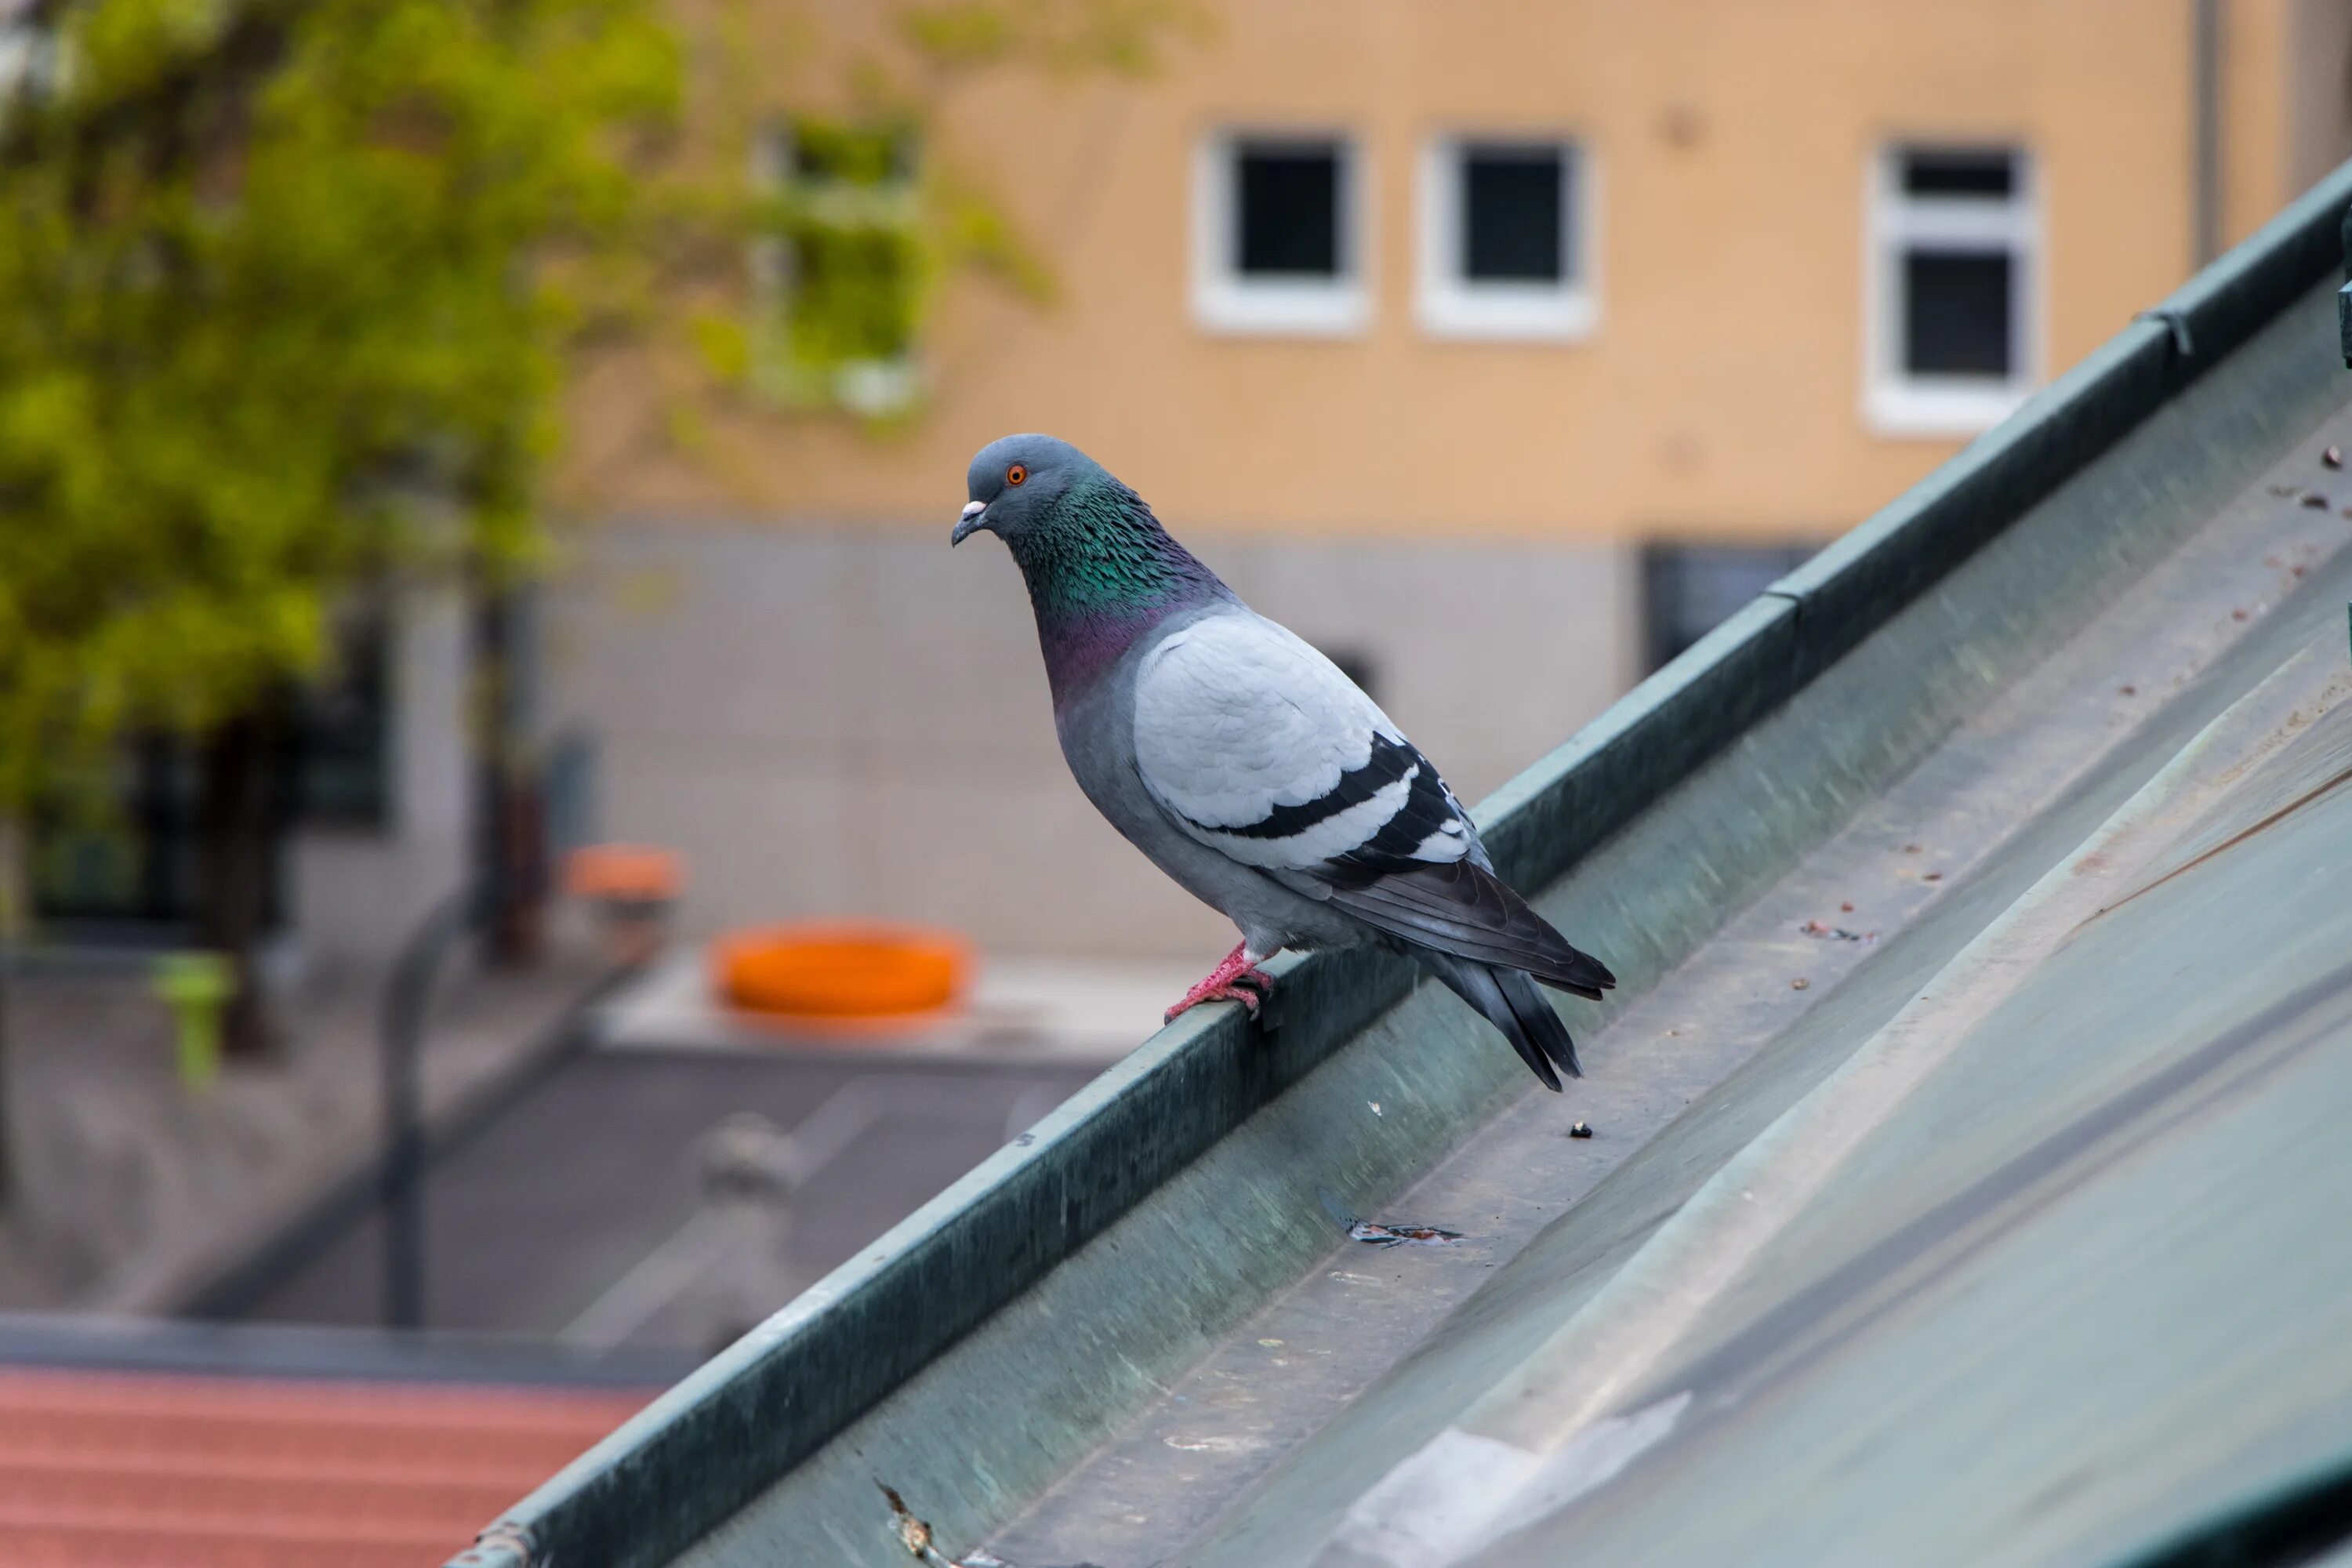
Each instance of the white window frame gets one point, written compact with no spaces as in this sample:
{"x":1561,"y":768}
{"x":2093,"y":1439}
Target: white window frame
{"x":1227,"y":300}
{"x":873,"y":388}
{"x":1450,"y":305}
{"x":1897,"y":223}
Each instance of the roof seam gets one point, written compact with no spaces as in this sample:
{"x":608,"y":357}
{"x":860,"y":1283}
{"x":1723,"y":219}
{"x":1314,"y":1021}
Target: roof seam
{"x":2183,"y":342}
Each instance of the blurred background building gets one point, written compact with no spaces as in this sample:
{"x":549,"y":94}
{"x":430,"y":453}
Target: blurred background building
{"x":1500,"y":349}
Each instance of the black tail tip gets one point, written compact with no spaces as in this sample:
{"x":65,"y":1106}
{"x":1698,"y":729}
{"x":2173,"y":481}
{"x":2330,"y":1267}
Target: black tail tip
{"x":1561,"y":1046}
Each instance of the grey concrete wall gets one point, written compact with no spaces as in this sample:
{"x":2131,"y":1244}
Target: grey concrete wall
{"x":355,"y":892}
{"x":831,"y":724}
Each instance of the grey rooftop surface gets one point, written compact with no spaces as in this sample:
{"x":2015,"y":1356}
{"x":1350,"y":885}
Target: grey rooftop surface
{"x":1967,"y":1181}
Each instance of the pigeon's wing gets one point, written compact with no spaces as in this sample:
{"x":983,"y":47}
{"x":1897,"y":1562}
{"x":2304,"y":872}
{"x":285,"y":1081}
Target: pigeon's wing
{"x":1259,"y":747}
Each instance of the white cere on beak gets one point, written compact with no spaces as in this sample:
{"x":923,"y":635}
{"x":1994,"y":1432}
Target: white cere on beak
{"x":969,"y":524}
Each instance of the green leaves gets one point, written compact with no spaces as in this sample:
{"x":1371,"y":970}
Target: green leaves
{"x":290,"y":291}
{"x":1125,"y":36}
{"x":272,"y":319}
{"x":852,"y":268}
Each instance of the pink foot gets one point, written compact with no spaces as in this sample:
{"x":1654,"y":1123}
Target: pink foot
{"x":1237,"y":979}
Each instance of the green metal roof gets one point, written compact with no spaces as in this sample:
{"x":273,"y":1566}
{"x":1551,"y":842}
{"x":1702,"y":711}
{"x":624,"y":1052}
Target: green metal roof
{"x":2014,"y":1231}
{"x":2050,"y":1266}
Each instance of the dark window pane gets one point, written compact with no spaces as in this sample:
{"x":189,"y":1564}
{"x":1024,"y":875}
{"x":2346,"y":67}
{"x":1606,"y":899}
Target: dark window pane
{"x":1511,"y":200}
{"x":1688,"y":590}
{"x":858,"y":154}
{"x":339,"y":736}
{"x":1287,"y":216}
{"x":1956,"y":311}
{"x":130,"y":858}
{"x":1979,"y":174}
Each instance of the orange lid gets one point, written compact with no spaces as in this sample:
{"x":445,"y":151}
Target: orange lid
{"x":634,"y":871}
{"x":832,"y":971}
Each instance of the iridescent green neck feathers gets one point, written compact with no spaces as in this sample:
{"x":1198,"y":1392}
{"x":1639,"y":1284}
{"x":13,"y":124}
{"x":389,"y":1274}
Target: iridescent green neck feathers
{"x":1102,"y":572}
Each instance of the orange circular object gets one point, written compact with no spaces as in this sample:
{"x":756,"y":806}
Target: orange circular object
{"x":841,"y":972}
{"x":632,"y":873}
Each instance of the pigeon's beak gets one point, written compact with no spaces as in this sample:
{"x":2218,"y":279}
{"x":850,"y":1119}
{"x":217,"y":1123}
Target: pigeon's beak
{"x":968,"y":524}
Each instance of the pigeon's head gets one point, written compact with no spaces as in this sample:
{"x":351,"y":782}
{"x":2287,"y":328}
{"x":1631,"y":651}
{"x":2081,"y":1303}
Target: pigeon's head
{"x":1017,"y":484}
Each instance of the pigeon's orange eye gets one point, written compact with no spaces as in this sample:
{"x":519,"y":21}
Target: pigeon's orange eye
{"x":1016,"y":473}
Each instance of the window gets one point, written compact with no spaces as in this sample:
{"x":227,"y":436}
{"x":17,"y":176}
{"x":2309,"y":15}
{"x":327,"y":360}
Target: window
{"x":1953,"y":335}
{"x":1505,"y":240}
{"x":338,"y":767}
{"x":840,"y":269}
{"x":1688,"y":590}
{"x":130,"y":854}
{"x":1276,"y":236}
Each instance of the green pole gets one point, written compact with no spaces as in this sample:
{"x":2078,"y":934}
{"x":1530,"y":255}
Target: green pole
{"x":196,"y":986}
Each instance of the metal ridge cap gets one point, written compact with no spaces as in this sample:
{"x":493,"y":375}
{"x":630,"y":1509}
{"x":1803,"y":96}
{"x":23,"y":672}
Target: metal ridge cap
{"x":747,"y":1416}
{"x":2224,"y":303}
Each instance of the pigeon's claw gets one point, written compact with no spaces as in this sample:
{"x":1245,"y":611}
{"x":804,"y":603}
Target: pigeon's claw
{"x":1237,"y":979}
{"x":1249,"y":993}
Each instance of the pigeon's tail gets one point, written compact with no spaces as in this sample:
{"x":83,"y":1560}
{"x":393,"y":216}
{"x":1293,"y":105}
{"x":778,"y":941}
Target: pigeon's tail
{"x":1508,"y":999}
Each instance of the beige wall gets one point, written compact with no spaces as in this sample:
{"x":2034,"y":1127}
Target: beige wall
{"x":2317,"y":45}
{"x":1720,"y":394}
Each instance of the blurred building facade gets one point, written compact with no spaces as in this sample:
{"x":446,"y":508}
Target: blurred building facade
{"x":1497,"y":347}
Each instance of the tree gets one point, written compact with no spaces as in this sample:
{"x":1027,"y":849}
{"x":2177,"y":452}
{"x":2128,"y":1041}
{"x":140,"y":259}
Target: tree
{"x":289,"y":289}
{"x":265,"y":332}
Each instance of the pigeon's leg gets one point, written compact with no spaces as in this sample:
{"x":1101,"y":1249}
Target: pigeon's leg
{"x":1237,"y":979}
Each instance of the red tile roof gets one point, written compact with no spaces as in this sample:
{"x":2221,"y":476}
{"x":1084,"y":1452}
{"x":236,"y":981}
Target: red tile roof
{"x":143,"y":1471}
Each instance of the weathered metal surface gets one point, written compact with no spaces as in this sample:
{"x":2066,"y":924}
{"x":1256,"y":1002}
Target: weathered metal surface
{"x":1915,"y":873}
{"x":2051,"y":1267}
{"x":986,"y":1344}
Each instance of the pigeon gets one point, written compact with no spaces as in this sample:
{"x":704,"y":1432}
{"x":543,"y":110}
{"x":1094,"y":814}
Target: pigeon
{"x":1248,"y":767}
